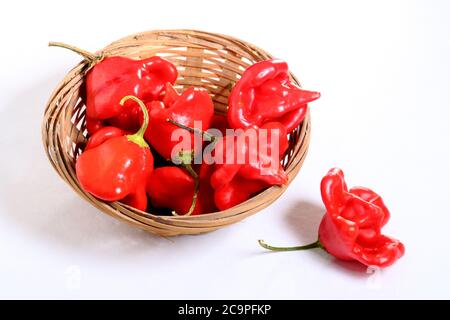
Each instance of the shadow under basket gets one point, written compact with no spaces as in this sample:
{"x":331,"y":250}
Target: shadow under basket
{"x":203,"y":59}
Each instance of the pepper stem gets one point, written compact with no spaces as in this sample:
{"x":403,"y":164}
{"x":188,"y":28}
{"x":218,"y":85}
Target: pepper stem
{"x":206,"y":135}
{"x":186,"y":163}
{"x":138,"y":137}
{"x":85,"y":54}
{"x":313,"y":245}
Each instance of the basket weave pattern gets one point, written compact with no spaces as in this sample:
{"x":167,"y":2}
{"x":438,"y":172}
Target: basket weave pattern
{"x":203,"y":59}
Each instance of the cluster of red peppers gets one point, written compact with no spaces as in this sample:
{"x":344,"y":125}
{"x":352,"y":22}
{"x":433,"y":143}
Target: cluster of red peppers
{"x":133,"y":110}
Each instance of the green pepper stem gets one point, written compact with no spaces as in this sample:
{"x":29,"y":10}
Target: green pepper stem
{"x":313,"y":245}
{"x":206,"y":135}
{"x":85,"y":54}
{"x":194,"y":175}
{"x":138,"y":137}
{"x":186,"y":163}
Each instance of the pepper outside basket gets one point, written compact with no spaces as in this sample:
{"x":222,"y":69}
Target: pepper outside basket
{"x":209,"y":60}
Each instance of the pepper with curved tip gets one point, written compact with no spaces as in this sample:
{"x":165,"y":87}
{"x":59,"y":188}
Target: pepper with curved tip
{"x":111,"y":78}
{"x":351,"y":227}
{"x":265,"y":93}
{"x":115,"y":167}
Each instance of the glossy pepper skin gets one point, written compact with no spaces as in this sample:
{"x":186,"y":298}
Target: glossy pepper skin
{"x":115,"y":77}
{"x":109,"y":79}
{"x":265,"y":94}
{"x":174,"y":187}
{"x":235,"y":182}
{"x":115,"y":167}
{"x":194,"y":104}
{"x":351,"y":227}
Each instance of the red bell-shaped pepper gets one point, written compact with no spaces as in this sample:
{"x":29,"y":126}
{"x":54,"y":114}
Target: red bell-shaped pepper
{"x":194,"y":104}
{"x":114,"y":166}
{"x":265,"y":93}
{"x":235,"y":180}
{"x":112,"y":78}
{"x":351,"y":227}
{"x":176,"y":188}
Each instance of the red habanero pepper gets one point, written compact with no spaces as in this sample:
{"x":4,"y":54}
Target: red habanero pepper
{"x":235,"y":181}
{"x":194,"y":104}
{"x":265,"y":93}
{"x":351,"y":227}
{"x":115,"y":167}
{"x":111,"y":78}
{"x":175,"y":188}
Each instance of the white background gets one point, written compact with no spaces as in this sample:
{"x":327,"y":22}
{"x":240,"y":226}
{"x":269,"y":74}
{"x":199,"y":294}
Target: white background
{"x":383,"y":68}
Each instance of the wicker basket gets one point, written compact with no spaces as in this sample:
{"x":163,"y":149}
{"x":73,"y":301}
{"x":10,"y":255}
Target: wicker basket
{"x":204,"y":59}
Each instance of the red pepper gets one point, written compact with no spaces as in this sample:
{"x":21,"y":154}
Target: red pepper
{"x":265,"y":93}
{"x":235,"y":182}
{"x":194,"y":104}
{"x":351,"y":227}
{"x":115,"y":77}
{"x":115,"y":166}
{"x":175,"y":188}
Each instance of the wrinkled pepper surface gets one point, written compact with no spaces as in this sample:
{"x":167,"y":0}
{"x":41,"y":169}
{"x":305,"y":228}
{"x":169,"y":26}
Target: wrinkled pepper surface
{"x":194,"y":104}
{"x":351,"y":227}
{"x":265,"y":93}
{"x":112,"y":78}
{"x":235,"y":181}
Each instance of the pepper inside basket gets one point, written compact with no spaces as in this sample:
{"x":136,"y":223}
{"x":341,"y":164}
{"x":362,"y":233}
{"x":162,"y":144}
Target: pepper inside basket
{"x":203,"y":59}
